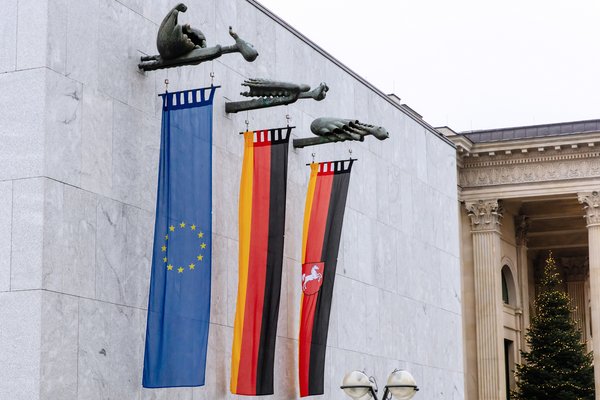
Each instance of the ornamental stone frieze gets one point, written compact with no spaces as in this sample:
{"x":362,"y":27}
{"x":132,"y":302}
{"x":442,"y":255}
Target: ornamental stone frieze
{"x":485,"y":214}
{"x":591,"y":205}
{"x":527,"y":167}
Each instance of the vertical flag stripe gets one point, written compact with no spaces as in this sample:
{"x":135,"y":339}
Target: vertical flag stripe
{"x":261,"y":241}
{"x":257,"y":264}
{"x":245,"y":213}
{"x":324,"y":215}
{"x":272,"y":291}
{"x":330,"y":252}
{"x":314,"y":170}
{"x":318,"y":208}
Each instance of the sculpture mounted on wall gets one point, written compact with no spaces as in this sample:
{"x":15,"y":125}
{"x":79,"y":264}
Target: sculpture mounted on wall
{"x":183,"y":45}
{"x":273,"y":93}
{"x":339,"y":130}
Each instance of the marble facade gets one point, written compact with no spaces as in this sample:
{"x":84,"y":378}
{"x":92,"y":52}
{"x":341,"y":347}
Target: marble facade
{"x":79,"y":137}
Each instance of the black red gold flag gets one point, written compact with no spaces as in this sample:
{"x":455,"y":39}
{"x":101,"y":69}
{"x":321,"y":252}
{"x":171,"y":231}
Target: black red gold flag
{"x":261,"y":230}
{"x":323,"y":218}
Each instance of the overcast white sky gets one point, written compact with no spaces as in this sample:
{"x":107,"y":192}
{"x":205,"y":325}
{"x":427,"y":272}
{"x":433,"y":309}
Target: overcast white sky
{"x":464,"y":63}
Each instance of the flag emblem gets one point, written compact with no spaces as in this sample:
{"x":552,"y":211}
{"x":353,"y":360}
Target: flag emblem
{"x":312,"y":277}
{"x":193,"y":241}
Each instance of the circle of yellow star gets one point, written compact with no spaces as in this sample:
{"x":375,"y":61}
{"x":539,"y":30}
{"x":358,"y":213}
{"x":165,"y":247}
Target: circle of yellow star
{"x":190,"y":266}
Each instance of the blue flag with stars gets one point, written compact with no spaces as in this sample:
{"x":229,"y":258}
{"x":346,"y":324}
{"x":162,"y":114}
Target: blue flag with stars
{"x":179,"y":300}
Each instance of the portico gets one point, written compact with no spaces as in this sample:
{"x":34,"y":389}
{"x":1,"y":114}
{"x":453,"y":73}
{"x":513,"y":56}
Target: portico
{"x":524,"y":192}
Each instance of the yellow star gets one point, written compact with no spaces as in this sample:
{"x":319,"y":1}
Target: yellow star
{"x":164,"y":259}
{"x":164,"y":248}
{"x":200,"y":257}
{"x":192,"y":266}
{"x":182,"y":225}
{"x":203,"y":246}
{"x":166,"y":237}
{"x":201,"y":235}
{"x":180,"y":270}
{"x":193,"y":227}
{"x":170,"y":267}
{"x":171,"y":228}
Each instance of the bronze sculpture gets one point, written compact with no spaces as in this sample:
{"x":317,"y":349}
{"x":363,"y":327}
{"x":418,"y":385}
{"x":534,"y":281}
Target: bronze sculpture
{"x":183,"y":45}
{"x":339,"y":130}
{"x":273,"y":93}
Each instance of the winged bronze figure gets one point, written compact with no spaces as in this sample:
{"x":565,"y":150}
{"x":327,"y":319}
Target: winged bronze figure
{"x":272,"y":93}
{"x":183,"y":45}
{"x":330,"y":130}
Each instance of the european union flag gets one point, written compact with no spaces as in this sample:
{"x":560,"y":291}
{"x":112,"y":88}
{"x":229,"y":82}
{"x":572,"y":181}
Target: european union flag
{"x":179,"y":302}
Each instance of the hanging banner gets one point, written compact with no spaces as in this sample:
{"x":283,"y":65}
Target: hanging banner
{"x":179,"y":301}
{"x":323,"y":218}
{"x":261,"y":230}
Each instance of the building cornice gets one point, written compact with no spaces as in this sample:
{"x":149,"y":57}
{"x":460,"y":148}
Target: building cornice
{"x":491,"y":167}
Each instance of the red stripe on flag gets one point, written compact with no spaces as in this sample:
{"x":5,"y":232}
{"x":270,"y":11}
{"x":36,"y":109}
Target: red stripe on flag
{"x":259,"y":241}
{"x":314,"y":249}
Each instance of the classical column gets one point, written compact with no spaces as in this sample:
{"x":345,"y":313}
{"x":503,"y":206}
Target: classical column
{"x":521,"y":228}
{"x":591,"y":204}
{"x":576,"y":273}
{"x":485,"y":229}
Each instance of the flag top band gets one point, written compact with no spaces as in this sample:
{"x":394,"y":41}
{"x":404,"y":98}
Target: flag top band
{"x":188,"y":98}
{"x":334,"y":167}
{"x":268,"y":137}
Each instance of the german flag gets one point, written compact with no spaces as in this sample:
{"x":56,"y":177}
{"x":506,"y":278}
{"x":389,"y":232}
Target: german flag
{"x":261,"y":230}
{"x":323,"y":218}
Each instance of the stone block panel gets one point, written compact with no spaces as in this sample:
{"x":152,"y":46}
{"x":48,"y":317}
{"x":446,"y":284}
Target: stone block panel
{"x":27,"y":234}
{"x":20,"y":330}
{"x":22,"y":123}
{"x":8,"y":36}
{"x":69,"y":240}
{"x":59,"y":341}
{"x":6,"y":193}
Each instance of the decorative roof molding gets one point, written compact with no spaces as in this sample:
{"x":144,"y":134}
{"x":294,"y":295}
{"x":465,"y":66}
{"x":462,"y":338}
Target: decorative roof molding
{"x":526,"y":161}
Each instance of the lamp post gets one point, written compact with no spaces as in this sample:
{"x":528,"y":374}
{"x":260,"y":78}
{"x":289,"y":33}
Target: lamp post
{"x":400,"y":385}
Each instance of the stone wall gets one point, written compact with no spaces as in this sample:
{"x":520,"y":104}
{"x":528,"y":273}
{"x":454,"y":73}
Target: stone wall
{"x":79,"y":142}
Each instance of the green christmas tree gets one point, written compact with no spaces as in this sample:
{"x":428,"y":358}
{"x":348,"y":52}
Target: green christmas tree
{"x":557,"y":365}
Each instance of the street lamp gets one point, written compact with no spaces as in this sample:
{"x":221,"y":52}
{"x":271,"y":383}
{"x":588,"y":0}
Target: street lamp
{"x":400,"y":385}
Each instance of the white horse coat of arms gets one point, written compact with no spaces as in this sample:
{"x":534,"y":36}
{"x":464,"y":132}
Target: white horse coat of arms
{"x":312,"y":277}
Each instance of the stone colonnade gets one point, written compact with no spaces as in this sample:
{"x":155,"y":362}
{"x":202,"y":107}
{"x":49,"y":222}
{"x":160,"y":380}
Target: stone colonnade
{"x":485,"y":216}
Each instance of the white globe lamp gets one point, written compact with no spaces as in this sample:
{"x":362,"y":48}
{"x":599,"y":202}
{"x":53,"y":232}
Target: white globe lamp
{"x":357,"y":385}
{"x":401,"y":385}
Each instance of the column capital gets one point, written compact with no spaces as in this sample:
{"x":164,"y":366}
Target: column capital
{"x":522,"y":224}
{"x":485,"y":214}
{"x":591,"y":205}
